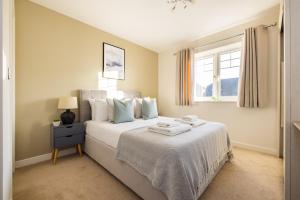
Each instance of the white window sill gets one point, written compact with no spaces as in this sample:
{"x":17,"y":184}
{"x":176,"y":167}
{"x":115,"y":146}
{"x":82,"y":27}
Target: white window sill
{"x":229,"y":100}
{"x":198,"y":102}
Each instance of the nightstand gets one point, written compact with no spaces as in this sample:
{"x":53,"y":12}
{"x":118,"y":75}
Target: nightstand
{"x":65,"y":136}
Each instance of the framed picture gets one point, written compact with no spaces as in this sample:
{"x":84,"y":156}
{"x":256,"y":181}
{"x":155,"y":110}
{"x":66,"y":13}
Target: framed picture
{"x":113,"y":62}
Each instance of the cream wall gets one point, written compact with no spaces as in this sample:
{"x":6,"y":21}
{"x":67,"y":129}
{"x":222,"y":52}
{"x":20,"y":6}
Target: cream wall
{"x":251,"y":128}
{"x":56,"y":56}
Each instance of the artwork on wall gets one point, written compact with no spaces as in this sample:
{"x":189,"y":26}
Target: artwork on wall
{"x":113,"y":62}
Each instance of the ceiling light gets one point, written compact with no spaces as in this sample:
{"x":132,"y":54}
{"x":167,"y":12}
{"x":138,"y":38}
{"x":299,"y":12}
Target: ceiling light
{"x":174,"y":3}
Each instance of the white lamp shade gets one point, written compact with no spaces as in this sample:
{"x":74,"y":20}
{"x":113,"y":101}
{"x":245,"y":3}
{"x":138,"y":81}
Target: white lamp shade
{"x":67,"y":103}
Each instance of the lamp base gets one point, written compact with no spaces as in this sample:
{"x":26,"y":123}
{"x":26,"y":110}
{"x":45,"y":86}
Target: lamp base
{"x":67,"y":117}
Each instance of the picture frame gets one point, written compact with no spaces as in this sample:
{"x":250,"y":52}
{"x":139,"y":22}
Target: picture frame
{"x":113,"y":62}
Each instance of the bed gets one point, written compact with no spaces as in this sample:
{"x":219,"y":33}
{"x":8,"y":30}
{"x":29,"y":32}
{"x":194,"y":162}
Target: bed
{"x":103,"y":140}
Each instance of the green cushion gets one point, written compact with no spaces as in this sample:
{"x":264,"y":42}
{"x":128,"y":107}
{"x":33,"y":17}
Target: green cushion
{"x":149,"y":109}
{"x":123,"y":111}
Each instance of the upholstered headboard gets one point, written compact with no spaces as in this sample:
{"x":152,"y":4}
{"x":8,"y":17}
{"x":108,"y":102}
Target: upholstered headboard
{"x":84,"y":95}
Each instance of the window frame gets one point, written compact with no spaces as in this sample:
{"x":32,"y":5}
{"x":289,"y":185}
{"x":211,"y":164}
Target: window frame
{"x":201,"y":99}
{"x":216,"y":87}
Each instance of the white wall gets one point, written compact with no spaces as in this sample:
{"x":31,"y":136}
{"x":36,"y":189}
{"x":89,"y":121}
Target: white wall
{"x":251,"y":128}
{"x":6,"y":99}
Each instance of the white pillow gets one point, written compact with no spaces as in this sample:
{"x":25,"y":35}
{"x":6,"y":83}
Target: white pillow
{"x":92,"y":104}
{"x":110,"y":109}
{"x":138,"y":106}
{"x":101,"y":110}
{"x":149,"y":109}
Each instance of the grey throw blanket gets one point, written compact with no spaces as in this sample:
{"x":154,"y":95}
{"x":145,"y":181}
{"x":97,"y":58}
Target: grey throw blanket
{"x":179,"y":166}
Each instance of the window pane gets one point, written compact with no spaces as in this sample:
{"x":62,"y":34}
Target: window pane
{"x":225,"y":64}
{"x":229,"y":74}
{"x":200,"y":62}
{"x":209,"y":67}
{"x":225,"y":56}
{"x":203,"y":77}
{"x":235,"y":63}
{"x":236,"y":54}
{"x":208,"y":60}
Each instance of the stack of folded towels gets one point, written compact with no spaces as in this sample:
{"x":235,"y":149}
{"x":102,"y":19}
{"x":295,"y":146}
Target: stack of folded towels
{"x":170,"y":128}
{"x":192,"y":120}
{"x":181,"y":125}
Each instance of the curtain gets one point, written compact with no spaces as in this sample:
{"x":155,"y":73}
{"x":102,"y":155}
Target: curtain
{"x":183,"y":78}
{"x":253,"y":78}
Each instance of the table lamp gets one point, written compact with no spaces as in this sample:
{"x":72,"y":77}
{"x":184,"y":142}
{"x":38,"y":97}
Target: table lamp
{"x":67,"y":103}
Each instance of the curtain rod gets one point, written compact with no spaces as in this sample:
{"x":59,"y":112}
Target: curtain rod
{"x":234,"y":36}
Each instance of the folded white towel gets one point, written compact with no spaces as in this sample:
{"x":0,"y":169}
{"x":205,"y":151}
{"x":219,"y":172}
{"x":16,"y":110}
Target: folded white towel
{"x":168,"y":133}
{"x":195,"y":123}
{"x":171,"y":131}
{"x":167,"y":124}
{"x":190,"y":118}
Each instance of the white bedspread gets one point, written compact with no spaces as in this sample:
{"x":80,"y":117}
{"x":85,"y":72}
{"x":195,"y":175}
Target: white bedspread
{"x":181,"y":166}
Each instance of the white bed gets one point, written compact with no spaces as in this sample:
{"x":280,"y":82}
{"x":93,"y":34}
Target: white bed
{"x":101,"y":145}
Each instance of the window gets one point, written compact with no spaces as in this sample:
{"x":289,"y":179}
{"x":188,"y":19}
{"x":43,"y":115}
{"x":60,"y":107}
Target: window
{"x":216,"y":73}
{"x":204,"y":72}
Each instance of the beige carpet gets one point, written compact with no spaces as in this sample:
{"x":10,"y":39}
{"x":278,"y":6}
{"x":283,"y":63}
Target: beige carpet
{"x":250,"y":176}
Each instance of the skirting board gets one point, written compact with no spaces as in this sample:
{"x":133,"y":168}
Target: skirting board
{"x":45,"y":157}
{"x":41,"y":158}
{"x":255,"y":148}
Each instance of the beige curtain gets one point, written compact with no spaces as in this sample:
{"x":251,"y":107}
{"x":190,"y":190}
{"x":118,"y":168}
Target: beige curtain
{"x":183,"y":78}
{"x":253,"y":79}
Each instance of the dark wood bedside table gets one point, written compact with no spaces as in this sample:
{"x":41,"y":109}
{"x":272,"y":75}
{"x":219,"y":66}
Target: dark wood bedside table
{"x":65,"y":136}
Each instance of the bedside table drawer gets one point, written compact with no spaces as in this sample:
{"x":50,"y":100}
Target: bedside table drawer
{"x":68,"y":140}
{"x":67,"y":130}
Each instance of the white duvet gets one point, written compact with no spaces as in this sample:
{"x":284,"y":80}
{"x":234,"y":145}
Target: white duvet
{"x":109,"y":133}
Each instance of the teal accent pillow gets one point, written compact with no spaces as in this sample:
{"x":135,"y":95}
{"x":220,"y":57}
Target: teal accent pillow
{"x":123,"y":111}
{"x":149,"y":109}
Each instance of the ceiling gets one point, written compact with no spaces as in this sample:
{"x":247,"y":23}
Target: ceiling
{"x":152,"y":23}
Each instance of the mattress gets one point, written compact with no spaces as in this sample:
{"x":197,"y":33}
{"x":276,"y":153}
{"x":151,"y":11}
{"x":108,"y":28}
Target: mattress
{"x":109,"y":133}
